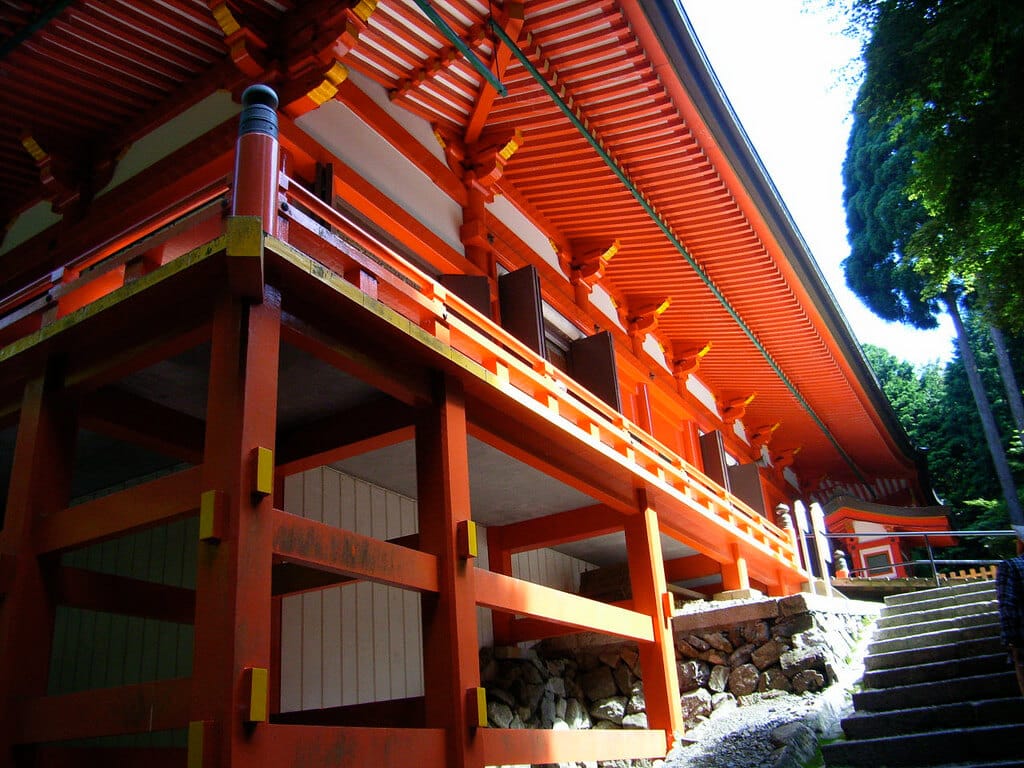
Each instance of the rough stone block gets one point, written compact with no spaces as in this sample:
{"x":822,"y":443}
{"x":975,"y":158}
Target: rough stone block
{"x":692,"y":675}
{"x":612,"y":709}
{"x":598,"y":683}
{"x":808,"y":680}
{"x":773,"y":680}
{"x":718,"y":678}
{"x":637,"y":720}
{"x":499,"y":714}
{"x":741,"y":655}
{"x":767,"y":654}
{"x":743,"y":680}
{"x":694,"y":705}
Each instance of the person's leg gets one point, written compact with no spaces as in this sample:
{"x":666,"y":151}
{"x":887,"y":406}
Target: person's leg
{"x":1018,"y":663}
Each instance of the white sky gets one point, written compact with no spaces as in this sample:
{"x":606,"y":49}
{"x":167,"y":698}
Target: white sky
{"x":788,"y":71}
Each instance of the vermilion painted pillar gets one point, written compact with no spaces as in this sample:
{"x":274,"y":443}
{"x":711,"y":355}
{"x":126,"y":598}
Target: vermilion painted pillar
{"x":734,"y":574}
{"x":657,"y":659}
{"x":232,"y":655}
{"x":499,"y":559}
{"x":40,"y":484}
{"x":451,"y":667}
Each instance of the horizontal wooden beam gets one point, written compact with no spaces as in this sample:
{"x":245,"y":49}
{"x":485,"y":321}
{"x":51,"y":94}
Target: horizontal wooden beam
{"x":560,"y":528}
{"x":397,"y":713}
{"x":503,"y":746}
{"x":504,"y":593}
{"x":126,"y":416}
{"x":157,"y":706}
{"x":692,"y":567}
{"x":382,"y":422}
{"x":142,"y":506}
{"x":80,"y":588}
{"x":336,"y":550}
{"x":289,"y":578}
{"x":302,"y":746}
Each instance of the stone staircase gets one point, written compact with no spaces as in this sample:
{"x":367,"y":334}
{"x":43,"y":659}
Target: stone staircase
{"x":938,"y":687}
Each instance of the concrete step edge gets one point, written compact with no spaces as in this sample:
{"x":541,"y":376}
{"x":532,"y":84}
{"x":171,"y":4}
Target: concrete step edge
{"x":943,"y":652}
{"x":939,"y":625}
{"x":936,"y":670}
{"x":931,"y":748}
{"x":929,"y":594}
{"x":933,"y":717}
{"x":934,"y":614}
{"x":943,"y":601}
{"x":944,"y":637}
{"x":967,"y":688}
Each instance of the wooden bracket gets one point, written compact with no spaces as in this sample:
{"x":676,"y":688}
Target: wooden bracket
{"x":202,"y":744}
{"x":263,"y":472}
{"x":256,"y":682}
{"x":476,"y":703}
{"x":466,"y":539}
{"x":212,"y":516}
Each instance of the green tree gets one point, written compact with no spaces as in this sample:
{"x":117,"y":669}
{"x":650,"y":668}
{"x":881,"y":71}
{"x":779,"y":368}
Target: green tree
{"x":942,"y":77}
{"x":910,"y":254}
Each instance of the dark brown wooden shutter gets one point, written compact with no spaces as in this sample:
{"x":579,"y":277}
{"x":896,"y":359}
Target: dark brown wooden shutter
{"x":522,"y":310}
{"x":475,"y":290}
{"x":712,"y":454}
{"x":592,"y":364}
{"x":745,"y":484}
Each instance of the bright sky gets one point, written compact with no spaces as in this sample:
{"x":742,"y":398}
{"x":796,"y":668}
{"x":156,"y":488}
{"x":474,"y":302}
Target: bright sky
{"x":789,"y":72}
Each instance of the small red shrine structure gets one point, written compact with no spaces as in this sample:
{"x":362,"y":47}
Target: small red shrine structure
{"x":302,"y":407}
{"x":872,"y":553}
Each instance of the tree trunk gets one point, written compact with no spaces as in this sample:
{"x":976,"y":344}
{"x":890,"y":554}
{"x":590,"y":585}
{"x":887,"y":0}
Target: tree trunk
{"x":988,"y":420}
{"x":1009,"y":378}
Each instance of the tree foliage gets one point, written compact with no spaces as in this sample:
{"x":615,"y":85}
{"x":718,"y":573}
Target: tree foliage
{"x":941,"y":107}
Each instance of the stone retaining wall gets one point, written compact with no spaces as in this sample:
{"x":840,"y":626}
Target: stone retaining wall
{"x":725,"y":653}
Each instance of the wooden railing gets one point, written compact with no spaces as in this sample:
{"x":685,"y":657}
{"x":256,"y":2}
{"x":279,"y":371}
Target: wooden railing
{"x":532,"y":380}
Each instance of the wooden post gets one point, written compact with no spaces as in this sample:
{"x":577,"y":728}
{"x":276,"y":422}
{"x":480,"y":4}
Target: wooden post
{"x":40,"y":484}
{"x":499,"y":559}
{"x":734,"y":574}
{"x":651,"y":597}
{"x":451,"y":667}
{"x":233,"y":583}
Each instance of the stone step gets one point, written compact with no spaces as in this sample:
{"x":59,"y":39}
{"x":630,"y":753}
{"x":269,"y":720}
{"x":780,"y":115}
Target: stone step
{"x":940,"y":625}
{"x":947,"y":601}
{"x":937,"y":670}
{"x":965,"y":714}
{"x":940,"y":593}
{"x":934,"y":653}
{"x":924,"y":640}
{"x":935,"y":614}
{"x":973,"y":746}
{"x":976,"y":687}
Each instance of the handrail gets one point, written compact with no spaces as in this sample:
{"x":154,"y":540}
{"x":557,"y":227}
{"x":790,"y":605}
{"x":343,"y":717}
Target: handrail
{"x":113,"y":251}
{"x":483,"y":340}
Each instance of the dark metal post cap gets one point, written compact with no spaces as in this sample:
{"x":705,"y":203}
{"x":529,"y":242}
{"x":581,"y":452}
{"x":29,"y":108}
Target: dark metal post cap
{"x":259,"y":111}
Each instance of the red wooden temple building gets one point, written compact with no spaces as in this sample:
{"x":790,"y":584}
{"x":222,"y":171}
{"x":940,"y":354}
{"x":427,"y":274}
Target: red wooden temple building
{"x":299,"y":409}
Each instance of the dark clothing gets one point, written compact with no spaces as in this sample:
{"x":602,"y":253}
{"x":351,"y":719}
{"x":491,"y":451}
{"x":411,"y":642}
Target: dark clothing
{"x":1010,"y":593}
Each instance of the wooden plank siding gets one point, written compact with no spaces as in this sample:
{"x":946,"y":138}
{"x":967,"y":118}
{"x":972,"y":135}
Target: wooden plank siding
{"x":328,"y":661}
{"x":349,"y":644}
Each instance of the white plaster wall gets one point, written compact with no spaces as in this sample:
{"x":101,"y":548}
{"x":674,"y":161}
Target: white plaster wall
{"x":370,"y":155}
